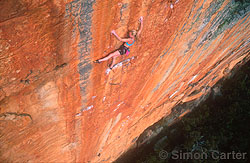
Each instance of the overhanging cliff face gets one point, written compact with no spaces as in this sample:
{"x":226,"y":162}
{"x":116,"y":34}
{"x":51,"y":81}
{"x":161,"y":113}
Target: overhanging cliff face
{"x":58,"y":106}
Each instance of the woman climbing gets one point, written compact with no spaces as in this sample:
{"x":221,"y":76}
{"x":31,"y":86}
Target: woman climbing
{"x":124,"y":49}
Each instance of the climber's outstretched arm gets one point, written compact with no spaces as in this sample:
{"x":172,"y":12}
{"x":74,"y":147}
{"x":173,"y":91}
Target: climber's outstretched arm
{"x":119,"y":38}
{"x":141,"y":26}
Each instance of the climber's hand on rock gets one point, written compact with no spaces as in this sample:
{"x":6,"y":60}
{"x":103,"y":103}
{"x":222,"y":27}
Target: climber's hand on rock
{"x":141,"y":19}
{"x":113,"y":32}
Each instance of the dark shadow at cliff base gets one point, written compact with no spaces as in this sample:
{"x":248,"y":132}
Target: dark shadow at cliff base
{"x":220,"y":123}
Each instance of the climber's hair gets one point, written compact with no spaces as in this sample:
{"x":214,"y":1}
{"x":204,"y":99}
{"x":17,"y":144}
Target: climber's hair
{"x":133,"y":32}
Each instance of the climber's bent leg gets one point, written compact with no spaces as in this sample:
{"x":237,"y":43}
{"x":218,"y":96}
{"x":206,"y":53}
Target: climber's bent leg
{"x":113,"y":62}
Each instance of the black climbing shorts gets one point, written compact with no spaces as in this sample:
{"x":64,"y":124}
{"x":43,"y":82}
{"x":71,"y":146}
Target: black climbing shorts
{"x":123,"y":50}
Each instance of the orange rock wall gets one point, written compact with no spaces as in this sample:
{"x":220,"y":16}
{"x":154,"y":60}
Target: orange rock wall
{"x":57,"y":106}
{"x":39,"y":83}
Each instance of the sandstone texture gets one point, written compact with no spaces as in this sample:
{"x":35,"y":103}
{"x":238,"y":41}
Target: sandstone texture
{"x":57,"y":106}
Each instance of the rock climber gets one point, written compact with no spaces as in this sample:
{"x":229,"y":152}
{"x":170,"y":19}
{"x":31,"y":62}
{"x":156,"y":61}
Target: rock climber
{"x":124,"y":49}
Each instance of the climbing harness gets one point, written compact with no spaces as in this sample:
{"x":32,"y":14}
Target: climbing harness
{"x":123,"y":50}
